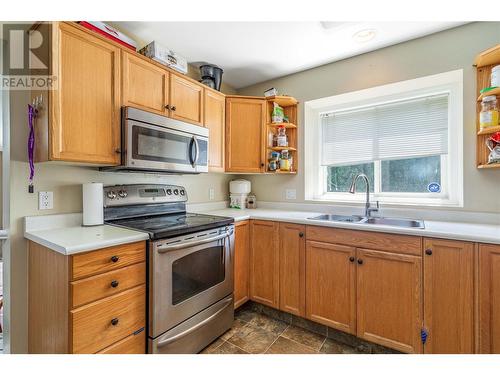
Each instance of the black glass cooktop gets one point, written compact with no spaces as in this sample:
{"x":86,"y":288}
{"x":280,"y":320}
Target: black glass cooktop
{"x":170,"y":225}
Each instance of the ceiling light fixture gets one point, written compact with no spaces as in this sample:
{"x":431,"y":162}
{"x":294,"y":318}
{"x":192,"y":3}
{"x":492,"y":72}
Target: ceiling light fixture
{"x":364,"y":36}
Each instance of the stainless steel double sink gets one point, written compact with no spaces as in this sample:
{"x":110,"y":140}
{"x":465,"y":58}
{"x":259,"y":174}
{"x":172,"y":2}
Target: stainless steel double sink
{"x":393,"y":222}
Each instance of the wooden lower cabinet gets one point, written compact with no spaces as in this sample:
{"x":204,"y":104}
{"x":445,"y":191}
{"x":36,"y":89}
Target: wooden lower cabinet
{"x":241,"y":263}
{"x":264,"y":262}
{"x":292,"y":279}
{"x":89,"y":302}
{"x":389,"y":299}
{"x":449,"y":296}
{"x":489,"y":298}
{"x":133,"y":344}
{"x":331,"y":285}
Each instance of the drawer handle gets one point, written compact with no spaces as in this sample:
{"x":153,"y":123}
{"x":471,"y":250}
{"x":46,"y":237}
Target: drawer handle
{"x":114,"y":321}
{"x":114,"y":284}
{"x":114,"y":258}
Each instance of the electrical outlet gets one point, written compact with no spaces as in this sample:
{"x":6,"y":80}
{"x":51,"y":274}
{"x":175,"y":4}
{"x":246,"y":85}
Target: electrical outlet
{"x":45,"y":200}
{"x":291,"y":194}
{"x":211,"y":194}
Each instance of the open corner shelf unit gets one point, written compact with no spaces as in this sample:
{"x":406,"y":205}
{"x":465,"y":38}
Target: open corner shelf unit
{"x":484,"y":62}
{"x":289,"y":105}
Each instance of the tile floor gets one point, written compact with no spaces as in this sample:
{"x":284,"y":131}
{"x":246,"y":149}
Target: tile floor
{"x":256,"y":333}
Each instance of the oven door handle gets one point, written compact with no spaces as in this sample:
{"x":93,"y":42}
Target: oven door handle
{"x":179,"y":336}
{"x":192,"y":243}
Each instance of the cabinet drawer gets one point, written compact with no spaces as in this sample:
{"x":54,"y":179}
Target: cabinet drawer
{"x":92,"y":325}
{"x":108,"y":259}
{"x":133,"y":344}
{"x":394,"y":243}
{"x":104,"y":285}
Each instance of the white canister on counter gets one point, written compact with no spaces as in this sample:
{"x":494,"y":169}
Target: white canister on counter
{"x":495,"y":76}
{"x":240,"y":186}
{"x":93,"y":204}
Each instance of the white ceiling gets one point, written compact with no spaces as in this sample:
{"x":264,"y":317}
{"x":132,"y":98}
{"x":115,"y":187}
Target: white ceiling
{"x":252,"y":52}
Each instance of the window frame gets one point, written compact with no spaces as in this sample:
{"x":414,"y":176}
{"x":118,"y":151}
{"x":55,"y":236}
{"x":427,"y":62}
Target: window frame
{"x":451,"y":163}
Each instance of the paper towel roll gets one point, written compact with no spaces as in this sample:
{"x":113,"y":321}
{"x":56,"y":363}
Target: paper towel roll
{"x":92,"y":204}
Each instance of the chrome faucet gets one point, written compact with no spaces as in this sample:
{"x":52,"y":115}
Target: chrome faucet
{"x":352,"y":190}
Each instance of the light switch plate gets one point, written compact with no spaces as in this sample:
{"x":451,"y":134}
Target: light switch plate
{"x":45,"y":200}
{"x":211,"y":194}
{"x":291,"y":194}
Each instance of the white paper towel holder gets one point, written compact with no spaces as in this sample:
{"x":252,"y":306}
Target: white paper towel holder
{"x":92,"y":197}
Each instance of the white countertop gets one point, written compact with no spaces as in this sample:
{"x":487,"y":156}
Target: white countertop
{"x":487,"y":233}
{"x":66,"y":235}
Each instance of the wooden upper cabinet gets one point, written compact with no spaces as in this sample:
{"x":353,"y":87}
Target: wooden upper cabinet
{"x":241,"y":263}
{"x":331,"y":285}
{"x":144,"y":85}
{"x":186,"y":100}
{"x":489,"y":298}
{"x":389,"y":299}
{"x":449,"y":296}
{"x":85,"y":109}
{"x":215,"y":107}
{"x":264,"y":262}
{"x":292,"y":268}
{"x":245,"y":126}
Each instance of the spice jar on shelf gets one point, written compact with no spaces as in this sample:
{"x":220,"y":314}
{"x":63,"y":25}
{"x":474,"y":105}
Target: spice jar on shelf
{"x":489,"y":112}
{"x":281,"y":137}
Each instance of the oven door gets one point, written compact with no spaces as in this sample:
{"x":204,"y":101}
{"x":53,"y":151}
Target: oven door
{"x":187,"y":275}
{"x":152,"y":147}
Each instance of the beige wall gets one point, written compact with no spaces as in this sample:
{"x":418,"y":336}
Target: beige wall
{"x":441,"y":52}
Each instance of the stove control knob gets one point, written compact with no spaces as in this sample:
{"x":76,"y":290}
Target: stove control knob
{"x":111,"y":194}
{"x":182,"y":192}
{"x":169,"y":191}
{"x":122,"y":193}
{"x":176,"y":192}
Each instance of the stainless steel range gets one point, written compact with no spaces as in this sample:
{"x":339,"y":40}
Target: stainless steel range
{"x":190,"y":271}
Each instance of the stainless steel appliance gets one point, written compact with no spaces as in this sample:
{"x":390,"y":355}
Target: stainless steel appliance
{"x":190,"y":265}
{"x":159,"y":144}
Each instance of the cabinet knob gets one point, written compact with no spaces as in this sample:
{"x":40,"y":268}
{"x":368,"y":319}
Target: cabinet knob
{"x":167,"y":106}
{"x":114,"y":283}
{"x":118,"y":151}
{"x":428,"y":251}
{"x":114,"y":259}
{"x":114,"y":321}
{"x":261,"y":164}
{"x":173,"y":108}
{"x":301,"y":234}
{"x":360,"y":261}
{"x":351,"y":259}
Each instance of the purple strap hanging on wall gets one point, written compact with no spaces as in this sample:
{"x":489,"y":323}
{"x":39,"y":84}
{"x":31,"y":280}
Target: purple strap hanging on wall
{"x":32,"y":112}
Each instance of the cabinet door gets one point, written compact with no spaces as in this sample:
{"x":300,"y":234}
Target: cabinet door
{"x":186,"y":100}
{"x":489,"y":298}
{"x":241,"y":263}
{"x":448,"y":296}
{"x":389,"y":301}
{"x":292,"y":268}
{"x":144,"y":85}
{"x":215,"y":107}
{"x":264,"y":264}
{"x":331,"y":285}
{"x":85,"y":121}
{"x":244,"y":135}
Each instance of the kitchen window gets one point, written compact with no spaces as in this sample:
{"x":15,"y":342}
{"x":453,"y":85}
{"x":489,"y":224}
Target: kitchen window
{"x":406,"y":137}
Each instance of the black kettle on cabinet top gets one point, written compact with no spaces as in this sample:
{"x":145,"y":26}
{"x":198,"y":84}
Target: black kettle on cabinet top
{"x":211,"y":76}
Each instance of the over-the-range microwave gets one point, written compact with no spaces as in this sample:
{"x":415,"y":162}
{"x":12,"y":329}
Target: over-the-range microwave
{"x":159,"y":144}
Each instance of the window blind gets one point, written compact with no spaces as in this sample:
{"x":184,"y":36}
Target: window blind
{"x":397,"y":130}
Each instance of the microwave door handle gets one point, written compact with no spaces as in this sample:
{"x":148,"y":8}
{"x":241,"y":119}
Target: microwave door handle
{"x":191,"y":159}
{"x":196,"y":151}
